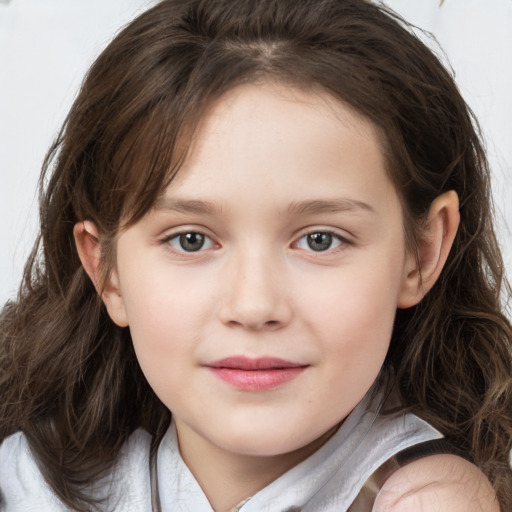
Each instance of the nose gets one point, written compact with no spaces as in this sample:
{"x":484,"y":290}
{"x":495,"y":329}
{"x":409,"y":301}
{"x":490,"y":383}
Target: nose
{"x":255,"y":295}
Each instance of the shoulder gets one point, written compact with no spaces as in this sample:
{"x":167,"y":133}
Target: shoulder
{"x":17,"y":465}
{"x":437,"y":483}
{"x":20,"y":479}
{"x":23,"y":487}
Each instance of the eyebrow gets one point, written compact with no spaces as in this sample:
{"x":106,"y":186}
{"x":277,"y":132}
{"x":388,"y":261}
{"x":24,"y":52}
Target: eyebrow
{"x":188,"y":206}
{"x":309,"y":207}
{"x":331,"y":206}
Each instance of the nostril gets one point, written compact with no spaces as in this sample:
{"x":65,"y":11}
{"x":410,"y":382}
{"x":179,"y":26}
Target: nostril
{"x":257,"y":326}
{"x":272,"y":324}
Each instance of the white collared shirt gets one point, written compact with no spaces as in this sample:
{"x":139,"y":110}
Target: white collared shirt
{"x":327,"y":481}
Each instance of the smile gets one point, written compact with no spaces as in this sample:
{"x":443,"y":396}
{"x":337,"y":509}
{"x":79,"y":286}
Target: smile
{"x":255,"y":374}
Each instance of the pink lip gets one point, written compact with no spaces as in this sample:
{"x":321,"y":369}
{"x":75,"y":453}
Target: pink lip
{"x":255,"y":374}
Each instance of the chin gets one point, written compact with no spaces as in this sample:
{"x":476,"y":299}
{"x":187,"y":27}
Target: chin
{"x":268,"y":442}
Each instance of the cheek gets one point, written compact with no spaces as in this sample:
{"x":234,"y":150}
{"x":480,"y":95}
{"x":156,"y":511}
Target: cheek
{"x":166,"y":313}
{"x":160,"y":301}
{"x":158,"y":325}
{"x":364,"y":301}
{"x":157,"y":330}
{"x":355,"y":316}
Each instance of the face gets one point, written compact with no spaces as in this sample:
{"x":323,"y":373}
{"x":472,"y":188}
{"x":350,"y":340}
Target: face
{"x":261,"y":290}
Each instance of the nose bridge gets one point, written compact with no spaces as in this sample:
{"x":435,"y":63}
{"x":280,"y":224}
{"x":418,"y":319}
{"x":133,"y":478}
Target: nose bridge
{"x":255,"y":294}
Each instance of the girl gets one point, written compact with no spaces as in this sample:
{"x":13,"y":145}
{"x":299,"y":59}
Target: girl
{"x":267,"y":278}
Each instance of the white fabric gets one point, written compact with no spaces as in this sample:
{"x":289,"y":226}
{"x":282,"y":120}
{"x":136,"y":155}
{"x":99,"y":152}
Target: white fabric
{"x":328,"y":481}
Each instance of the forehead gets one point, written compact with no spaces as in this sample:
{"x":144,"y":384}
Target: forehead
{"x":283,"y":138}
{"x":282,"y":109}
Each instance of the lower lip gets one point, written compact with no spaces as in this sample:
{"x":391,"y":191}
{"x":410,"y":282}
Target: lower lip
{"x":257,"y":380}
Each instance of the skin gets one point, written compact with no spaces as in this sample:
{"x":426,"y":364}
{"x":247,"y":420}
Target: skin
{"x":438,"y":483}
{"x":268,"y":166}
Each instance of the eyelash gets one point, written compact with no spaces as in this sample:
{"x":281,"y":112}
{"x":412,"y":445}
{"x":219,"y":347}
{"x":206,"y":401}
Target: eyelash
{"x":342,"y":241}
{"x":179,"y":238}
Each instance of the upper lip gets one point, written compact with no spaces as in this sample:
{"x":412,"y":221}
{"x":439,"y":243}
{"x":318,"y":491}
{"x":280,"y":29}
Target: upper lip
{"x":248,"y":363}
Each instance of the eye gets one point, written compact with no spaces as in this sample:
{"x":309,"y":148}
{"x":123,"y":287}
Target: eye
{"x":191,"y":241}
{"x":320,"y":241}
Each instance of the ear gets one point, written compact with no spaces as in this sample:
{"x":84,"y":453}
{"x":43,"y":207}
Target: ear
{"x":437,"y":237}
{"x":87,"y":241}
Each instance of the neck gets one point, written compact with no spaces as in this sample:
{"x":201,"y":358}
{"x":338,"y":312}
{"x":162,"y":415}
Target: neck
{"x":228,"y":478}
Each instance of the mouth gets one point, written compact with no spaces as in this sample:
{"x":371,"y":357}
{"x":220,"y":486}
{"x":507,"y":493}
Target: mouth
{"x":257,"y":374}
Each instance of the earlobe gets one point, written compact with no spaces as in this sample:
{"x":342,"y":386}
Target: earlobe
{"x":87,"y":241}
{"x":434,"y":246}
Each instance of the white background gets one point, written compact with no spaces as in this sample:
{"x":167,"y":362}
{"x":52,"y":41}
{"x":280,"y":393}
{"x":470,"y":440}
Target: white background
{"x":47,"y":45}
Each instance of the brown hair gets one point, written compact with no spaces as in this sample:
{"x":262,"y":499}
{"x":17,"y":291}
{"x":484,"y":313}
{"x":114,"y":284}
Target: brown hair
{"x":69,"y":378}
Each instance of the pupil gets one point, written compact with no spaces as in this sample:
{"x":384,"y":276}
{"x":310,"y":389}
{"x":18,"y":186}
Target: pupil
{"x":191,"y":241}
{"x":319,"y":241}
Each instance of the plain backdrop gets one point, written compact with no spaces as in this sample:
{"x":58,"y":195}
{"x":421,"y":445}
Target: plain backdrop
{"x":46,"y":47}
